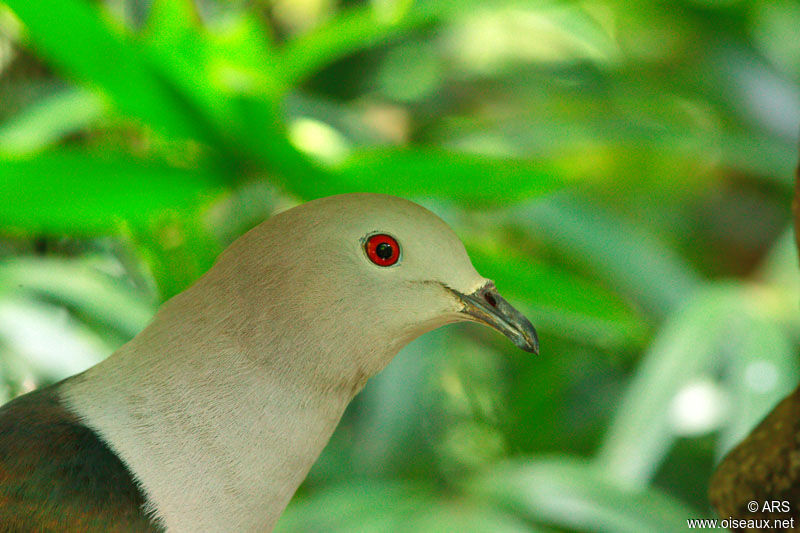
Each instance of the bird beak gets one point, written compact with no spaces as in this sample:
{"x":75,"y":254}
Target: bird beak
{"x":487,"y":307}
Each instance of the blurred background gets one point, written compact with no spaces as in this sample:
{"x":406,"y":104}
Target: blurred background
{"x":622,"y":169}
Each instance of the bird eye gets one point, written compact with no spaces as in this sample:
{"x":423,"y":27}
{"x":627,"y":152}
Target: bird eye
{"x":382,"y":250}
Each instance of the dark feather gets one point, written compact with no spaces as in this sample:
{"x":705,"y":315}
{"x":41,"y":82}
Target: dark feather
{"x":57,"y":475}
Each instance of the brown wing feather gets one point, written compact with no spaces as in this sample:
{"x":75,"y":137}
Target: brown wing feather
{"x":57,"y":475}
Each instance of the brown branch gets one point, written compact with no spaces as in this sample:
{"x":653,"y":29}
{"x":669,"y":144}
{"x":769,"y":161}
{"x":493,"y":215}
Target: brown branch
{"x":765,"y":466}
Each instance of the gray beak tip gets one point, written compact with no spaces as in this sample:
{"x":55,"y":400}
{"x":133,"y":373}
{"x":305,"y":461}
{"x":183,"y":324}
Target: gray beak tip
{"x":530,"y":346}
{"x":487,"y":306}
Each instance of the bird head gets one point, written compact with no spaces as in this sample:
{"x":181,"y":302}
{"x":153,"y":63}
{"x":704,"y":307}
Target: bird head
{"x":363,"y":274}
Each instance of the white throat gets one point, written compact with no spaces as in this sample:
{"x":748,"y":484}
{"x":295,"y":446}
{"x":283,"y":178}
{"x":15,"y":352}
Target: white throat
{"x":218,"y":434}
{"x":212,"y":451}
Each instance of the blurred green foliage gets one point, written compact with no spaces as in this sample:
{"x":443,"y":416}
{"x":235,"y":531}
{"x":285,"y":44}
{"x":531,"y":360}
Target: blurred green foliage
{"x":621,"y":169}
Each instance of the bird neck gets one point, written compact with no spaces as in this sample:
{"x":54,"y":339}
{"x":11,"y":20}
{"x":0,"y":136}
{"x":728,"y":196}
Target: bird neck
{"x":218,"y":440}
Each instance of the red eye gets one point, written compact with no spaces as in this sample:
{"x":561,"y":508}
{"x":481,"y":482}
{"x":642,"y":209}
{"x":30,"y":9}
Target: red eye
{"x":382,"y":250}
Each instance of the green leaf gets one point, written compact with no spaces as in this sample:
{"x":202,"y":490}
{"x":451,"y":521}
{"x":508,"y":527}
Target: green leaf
{"x":261,"y":133}
{"x":575,"y":495}
{"x":773,"y":159}
{"x":72,"y":35}
{"x":341,"y":507}
{"x":626,"y":257}
{"x":469,"y":179}
{"x":178,"y":248}
{"x":172,"y":21}
{"x":343,"y":119}
{"x":243,"y":59}
{"x":352,"y":30}
{"x":687,"y":346}
{"x":394,"y":408}
{"x":49,"y":120}
{"x":558,"y":301}
{"x":376,"y":506}
{"x":43,"y":343}
{"x":83,"y":289}
{"x":761,"y":363}
{"x":235,"y":56}
{"x":449,"y":515}
{"x":779,"y":266}
{"x":69,"y":192}
{"x":230,"y":74}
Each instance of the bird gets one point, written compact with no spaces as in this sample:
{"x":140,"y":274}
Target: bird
{"x":211,"y":417}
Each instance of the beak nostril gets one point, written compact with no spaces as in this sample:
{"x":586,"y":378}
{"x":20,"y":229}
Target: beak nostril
{"x":490,"y":299}
{"x":485,"y":305}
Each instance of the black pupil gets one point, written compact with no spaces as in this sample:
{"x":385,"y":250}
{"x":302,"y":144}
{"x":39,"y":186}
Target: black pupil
{"x":384,"y":250}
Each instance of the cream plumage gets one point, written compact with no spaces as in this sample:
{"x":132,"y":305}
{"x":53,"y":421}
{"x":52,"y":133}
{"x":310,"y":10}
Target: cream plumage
{"x":221,"y":405}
